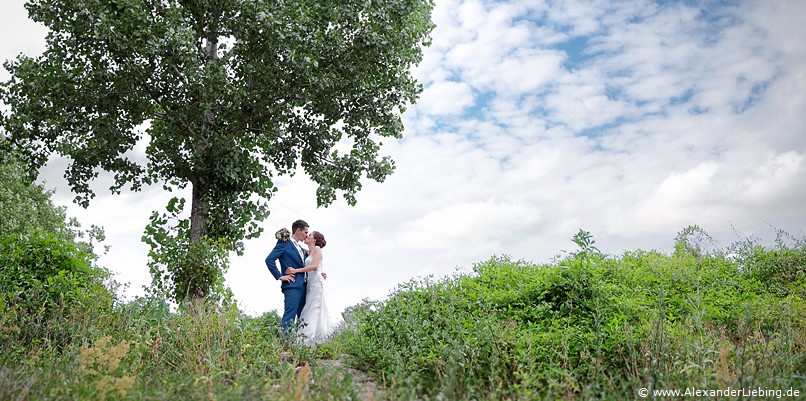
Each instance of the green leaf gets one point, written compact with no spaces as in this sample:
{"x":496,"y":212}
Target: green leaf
{"x":225,"y":95}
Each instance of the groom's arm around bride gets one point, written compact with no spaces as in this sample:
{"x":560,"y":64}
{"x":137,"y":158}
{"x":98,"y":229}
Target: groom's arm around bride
{"x":286,"y":253}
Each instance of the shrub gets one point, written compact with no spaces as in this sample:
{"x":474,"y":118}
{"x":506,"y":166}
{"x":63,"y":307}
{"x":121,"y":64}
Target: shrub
{"x":49,"y":284}
{"x":591,"y":326}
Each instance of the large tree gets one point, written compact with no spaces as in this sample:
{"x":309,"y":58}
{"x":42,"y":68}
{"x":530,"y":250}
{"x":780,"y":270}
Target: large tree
{"x":227,"y":93}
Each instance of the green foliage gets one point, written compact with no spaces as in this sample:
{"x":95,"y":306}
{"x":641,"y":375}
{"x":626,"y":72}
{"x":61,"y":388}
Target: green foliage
{"x":45,"y":283}
{"x":227,"y":94}
{"x":693,"y":240}
{"x":27,"y":207}
{"x":56,"y":270}
{"x":585,"y":242}
{"x":143,"y":350}
{"x":416,"y":339}
{"x":590,"y":326}
{"x":63,"y":334}
{"x":180,"y":267}
{"x":781,"y":271}
{"x":47,"y":275}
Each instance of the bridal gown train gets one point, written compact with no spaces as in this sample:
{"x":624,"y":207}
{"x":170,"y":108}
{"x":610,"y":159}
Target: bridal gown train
{"x":318,"y":317}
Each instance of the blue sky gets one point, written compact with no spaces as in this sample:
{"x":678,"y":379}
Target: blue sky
{"x":629,"y":119}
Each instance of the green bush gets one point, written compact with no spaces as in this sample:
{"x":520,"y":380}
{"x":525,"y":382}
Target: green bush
{"x":591,"y":326}
{"x":42,"y":272}
{"x":49,"y":285}
{"x":783,"y":271}
{"x":427,"y":340}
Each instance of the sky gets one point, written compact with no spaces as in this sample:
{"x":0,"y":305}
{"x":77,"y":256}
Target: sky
{"x":628,"y":119}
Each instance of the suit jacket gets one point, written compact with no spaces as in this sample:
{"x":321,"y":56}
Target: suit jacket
{"x":287,"y":254}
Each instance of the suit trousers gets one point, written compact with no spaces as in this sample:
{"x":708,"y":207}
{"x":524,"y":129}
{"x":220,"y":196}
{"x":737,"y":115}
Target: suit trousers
{"x":294,"y":302}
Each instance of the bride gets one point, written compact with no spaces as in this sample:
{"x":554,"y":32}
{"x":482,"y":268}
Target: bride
{"x":319,"y":321}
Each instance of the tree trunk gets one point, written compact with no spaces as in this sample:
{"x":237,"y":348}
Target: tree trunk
{"x":198,"y":222}
{"x":198,"y":213}
{"x":199,"y":205}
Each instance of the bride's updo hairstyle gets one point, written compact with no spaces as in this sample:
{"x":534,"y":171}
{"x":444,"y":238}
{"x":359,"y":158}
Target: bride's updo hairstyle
{"x":320,"y":239}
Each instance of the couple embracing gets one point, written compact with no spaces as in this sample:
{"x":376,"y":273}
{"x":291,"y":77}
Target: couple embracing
{"x":304,"y":288}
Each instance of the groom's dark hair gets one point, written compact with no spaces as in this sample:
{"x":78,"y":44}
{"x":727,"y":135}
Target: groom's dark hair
{"x":297,"y":225}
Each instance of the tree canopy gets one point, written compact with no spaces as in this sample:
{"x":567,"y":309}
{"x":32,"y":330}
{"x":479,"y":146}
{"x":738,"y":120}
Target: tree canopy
{"x":226,"y":94}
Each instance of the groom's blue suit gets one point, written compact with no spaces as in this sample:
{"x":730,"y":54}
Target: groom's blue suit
{"x":294,"y":292}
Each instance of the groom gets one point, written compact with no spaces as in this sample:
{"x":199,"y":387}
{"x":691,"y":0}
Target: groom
{"x":290,"y":254}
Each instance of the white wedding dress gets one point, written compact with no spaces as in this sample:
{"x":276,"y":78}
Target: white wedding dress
{"x":319,"y":321}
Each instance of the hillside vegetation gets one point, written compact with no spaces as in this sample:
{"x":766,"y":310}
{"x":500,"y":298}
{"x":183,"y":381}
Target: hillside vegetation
{"x":584,"y":326}
{"x":589,"y":326}
{"x":64,"y":334}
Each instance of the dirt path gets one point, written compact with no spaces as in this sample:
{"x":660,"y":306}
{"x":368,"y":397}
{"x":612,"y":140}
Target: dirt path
{"x":369,"y":389}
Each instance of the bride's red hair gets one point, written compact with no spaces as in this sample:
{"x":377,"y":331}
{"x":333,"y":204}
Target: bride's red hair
{"x":320,"y":239}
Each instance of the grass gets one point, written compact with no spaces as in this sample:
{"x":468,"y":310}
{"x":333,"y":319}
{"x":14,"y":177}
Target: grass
{"x":584,"y":326}
{"x":142,"y":350}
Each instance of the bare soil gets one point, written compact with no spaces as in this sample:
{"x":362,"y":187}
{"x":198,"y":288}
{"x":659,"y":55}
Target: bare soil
{"x":370,"y":391}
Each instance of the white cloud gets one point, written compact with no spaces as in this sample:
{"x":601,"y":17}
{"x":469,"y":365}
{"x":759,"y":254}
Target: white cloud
{"x":579,"y":18}
{"x":446,"y":98}
{"x":775,"y":179}
{"x":495,"y":52}
{"x":477,"y":226}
